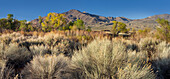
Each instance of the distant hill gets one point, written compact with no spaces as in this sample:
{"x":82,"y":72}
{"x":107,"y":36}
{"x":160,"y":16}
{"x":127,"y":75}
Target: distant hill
{"x":100,"y":22}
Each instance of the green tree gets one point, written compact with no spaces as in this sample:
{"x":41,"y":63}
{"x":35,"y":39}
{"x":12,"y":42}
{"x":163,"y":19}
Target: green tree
{"x":10,"y":16}
{"x":15,"y":25}
{"x":3,"y":24}
{"x":119,"y":27}
{"x":40,"y":20}
{"x":53,"y":21}
{"x":145,"y":32}
{"x":88,"y":29}
{"x":9,"y":23}
{"x":163,"y":32}
{"x":30,"y":27}
{"x":80,"y":24}
{"x":23,"y":25}
{"x":68,"y":26}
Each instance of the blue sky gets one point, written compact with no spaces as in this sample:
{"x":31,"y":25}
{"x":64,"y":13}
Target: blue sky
{"x":133,"y":9}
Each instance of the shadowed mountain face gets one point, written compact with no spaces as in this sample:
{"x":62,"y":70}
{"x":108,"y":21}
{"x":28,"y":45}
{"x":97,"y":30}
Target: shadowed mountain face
{"x":101,"y":22}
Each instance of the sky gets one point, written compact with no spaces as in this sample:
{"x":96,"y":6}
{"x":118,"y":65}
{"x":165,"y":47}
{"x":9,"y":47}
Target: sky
{"x":132,"y":9}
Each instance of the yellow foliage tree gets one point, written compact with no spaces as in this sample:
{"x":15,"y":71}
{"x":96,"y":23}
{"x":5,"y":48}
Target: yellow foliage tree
{"x":53,"y":21}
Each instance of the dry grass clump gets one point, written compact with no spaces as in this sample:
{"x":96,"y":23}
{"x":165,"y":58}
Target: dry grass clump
{"x":46,"y":67}
{"x":102,"y":59}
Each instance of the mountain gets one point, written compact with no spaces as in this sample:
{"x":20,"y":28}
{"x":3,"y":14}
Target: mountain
{"x":148,"y":22}
{"x":100,"y":22}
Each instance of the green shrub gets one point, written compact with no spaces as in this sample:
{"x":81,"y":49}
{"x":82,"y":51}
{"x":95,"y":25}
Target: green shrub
{"x":79,"y":24}
{"x":119,"y":27}
{"x":164,"y":31}
{"x":144,"y":32}
{"x":88,"y":29}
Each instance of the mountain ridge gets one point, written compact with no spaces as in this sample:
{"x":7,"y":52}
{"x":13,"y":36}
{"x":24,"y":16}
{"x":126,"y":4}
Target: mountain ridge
{"x":101,"y":22}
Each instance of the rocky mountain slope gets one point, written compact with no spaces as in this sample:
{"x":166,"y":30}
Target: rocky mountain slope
{"x":100,"y":22}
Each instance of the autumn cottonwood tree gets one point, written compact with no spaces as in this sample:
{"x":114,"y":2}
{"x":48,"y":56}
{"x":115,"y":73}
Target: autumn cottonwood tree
{"x":53,"y":21}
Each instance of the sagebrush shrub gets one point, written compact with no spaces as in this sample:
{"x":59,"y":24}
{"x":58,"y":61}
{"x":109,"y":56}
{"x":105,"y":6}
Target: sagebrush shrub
{"x":2,"y":67}
{"x":17,"y":57}
{"x":40,"y":50}
{"x":135,"y":71}
{"x":46,"y":67}
{"x":5,"y":72}
{"x":5,"y":39}
{"x":101,"y":59}
{"x":161,"y":60}
{"x":1,"y":50}
{"x":148,"y":45}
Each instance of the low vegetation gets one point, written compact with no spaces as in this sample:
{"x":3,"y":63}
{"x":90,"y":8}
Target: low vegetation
{"x":54,"y":55}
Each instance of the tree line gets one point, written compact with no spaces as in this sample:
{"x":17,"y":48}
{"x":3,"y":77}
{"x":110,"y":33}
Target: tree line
{"x":53,"y":21}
